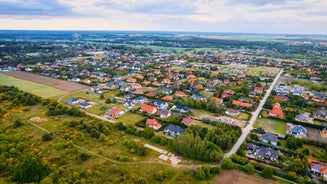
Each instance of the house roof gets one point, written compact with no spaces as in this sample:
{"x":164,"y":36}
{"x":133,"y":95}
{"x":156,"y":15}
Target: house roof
{"x":277,"y":112}
{"x":153,"y":123}
{"x":187,"y":120}
{"x":298,"y":129}
{"x":180,"y":93}
{"x":242,"y":104}
{"x":113,"y":111}
{"x":147,"y":108}
{"x":270,"y":137}
{"x":321,"y":166}
{"x":167,"y":98}
{"x":217,"y":100}
{"x":173,"y":128}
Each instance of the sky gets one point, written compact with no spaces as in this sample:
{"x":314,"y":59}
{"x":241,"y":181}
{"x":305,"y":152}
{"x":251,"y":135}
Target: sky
{"x":240,"y":16}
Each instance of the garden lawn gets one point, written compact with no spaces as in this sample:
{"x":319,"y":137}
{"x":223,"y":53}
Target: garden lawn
{"x":271,"y":125}
{"x":31,"y":87}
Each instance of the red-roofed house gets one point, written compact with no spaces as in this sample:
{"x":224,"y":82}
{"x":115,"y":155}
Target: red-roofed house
{"x":318,"y":168}
{"x":187,"y":121}
{"x":229,"y":91}
{"x":224,"y":95}
{"x":276,"y":112}
{"x":282,"y":98}
{"x":153,"y":124}
{"x":226,"y":81}
{"x":167,"y":98}
{"x":136,"y":85}
{"x":131,"y":80}
{"x":217,"y":100}
{"x":148,"y":109}
{"x":258,"y":89}
{"x":138,"y":91}
{"x":180,"y":93}
{"x":114,"y":112}
{"x":242,"y":104}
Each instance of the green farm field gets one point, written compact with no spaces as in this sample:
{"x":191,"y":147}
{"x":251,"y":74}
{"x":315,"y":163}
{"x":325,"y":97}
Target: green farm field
{"x":31,"y":87}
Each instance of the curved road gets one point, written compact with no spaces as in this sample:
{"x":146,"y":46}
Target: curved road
{"x":255,"y":114}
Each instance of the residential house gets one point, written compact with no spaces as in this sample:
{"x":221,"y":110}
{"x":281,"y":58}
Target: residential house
{"x":110,"y":85}
{"x":269,"y":138}
{"x":276,"y":105}
{"x":72,"y":101}
{"x":128,"y":104}
{"x":153,"y":124}
{"x":250,"y":146}
{"x":217,"y":100}
{"x":138,"y":92}
{"x":140,"y":100}
{"x":164,"y":113}
{"x":85,"y":105}
{"x":148,"y":109}
{"x":160,"y":104}
{"x":298,"y":131}
{"x":258,"y":89}
{"x":180,"y":93}
{"x":229,"y":91}
{"x":198,"y":97}
{"x":136,"y":85}
{"x":304,"y":117}
{"x":318,"y":168}
{"x":276,"y":112}
{"x":167,"y":98}
{"x":173,"y":130}
{"x":282,"y":98}
{"x":166,"y":91}
{"x":232,"y":112}
{"x":266,"y":153}
{"x":114,"y":112}
{"x":320,"y":114}
{"x":187,"y":121}
{"x":124,"y":88}
{"x":242,"y":104}
{"x":180,"y":108}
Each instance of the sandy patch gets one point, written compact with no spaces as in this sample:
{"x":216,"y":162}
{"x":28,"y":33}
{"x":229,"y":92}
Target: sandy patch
{"x":38,"y":119}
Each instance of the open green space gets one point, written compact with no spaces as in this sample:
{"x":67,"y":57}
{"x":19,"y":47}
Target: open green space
{"x":31,"y":87}
{"x":98,"y":167}
{"x":130,"y":118}
{"x":271,"y":125}
{"x":243,"y":116}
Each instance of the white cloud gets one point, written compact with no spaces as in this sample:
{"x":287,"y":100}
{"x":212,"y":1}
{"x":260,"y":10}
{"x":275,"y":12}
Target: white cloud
{"x":280,"y":16}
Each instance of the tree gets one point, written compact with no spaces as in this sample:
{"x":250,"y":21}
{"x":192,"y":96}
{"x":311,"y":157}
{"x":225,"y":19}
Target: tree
{"x":148,"y":132}
{"x":249,"y":168}
{"x":267,"y":172}
{"x":227,"y":163}
{"x":17,"y":123}
{"x":140,"y":180}
{"x":30,"y":170}
{"x":46,"y":137}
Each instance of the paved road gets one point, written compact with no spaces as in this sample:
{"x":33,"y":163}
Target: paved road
{"x":255,"y":114}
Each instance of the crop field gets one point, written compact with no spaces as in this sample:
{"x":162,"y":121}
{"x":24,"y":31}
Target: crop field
{"x":54,"y":83}
{"x":238,"y":177}
{"x":31,"y":87}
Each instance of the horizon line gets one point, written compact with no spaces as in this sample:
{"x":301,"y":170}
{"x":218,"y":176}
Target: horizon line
{"x":168,"y":31}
